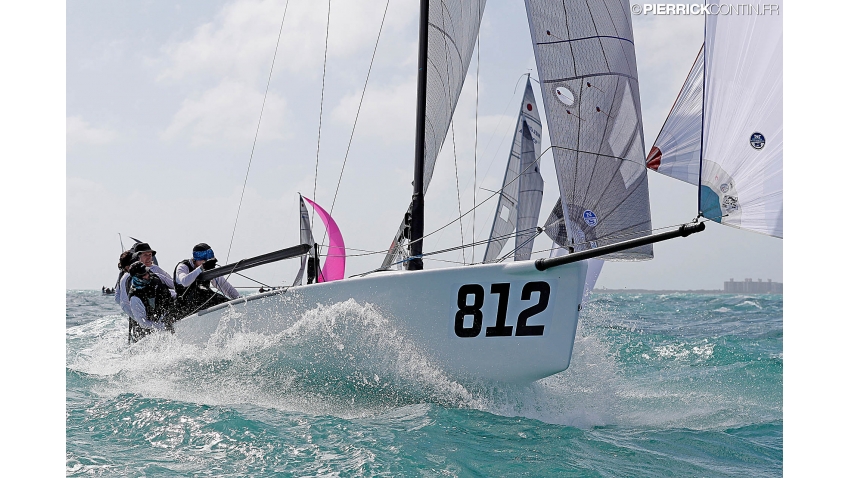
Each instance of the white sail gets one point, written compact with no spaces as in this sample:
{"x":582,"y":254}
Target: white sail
{"x":676,"y":152}
{"x":530,"y":193}
{"x":741,"y":180}
{"x":724,"y":132}
{"x":520,"y":197}
{"x":306,"y":237}
{"x":452,"y":31}
{"x":586,"y":61}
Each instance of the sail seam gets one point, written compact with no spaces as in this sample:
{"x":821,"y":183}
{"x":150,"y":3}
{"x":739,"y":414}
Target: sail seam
{"x":585,"y":38}
{"x":591,"y":75}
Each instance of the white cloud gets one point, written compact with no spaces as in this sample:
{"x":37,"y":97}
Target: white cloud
{"x":240,"y":40}
{"x":386,"y":114}
{"x":80,"y":131}
{"x":226,"y":112}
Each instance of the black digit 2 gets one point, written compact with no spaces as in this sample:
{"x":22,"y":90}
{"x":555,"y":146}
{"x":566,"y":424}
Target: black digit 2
{"x":474,"y":310}
{"x":542,"y":303}
{"x":500,"y":330}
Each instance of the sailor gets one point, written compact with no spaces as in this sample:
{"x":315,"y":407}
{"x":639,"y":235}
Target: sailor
{"x":194,"y":295}
{"x":142,"y":252}
{"x":124,"y":262}
{"x":151,"y":302}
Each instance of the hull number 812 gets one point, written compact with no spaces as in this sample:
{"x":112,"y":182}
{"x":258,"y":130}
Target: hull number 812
{"x":470,"y":300}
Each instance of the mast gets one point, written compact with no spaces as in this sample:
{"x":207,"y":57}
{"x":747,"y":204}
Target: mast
{"x":417,"y":212}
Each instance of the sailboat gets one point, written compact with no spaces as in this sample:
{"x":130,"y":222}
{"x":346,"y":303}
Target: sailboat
{"x":501,"y":321}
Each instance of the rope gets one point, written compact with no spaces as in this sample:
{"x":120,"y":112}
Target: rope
{"x":256,"y":133}
{"x":321,"y":107}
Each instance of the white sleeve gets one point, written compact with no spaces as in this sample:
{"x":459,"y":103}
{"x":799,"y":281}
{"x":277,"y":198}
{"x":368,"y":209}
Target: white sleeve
{"x":225,"y":288}
{"x":184,"y":277}
{"x":140,"y":315}
{"x":164,"y":276}
{"x":124,"y":301}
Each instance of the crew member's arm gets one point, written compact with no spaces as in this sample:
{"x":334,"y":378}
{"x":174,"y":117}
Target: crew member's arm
{"x":121,"y":294}
{"x":184,"y":277}
{"x":140,"y":315}
{"x":225,"y":288}
{"x":165,"y":277}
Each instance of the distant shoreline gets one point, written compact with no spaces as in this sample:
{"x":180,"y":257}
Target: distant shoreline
{"x":664,"y":291}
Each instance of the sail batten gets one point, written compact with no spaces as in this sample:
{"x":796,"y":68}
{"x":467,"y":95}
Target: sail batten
{"x":589,"y":81}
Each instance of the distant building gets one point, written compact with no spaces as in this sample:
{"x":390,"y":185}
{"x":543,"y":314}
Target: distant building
{"x":750,"y":287}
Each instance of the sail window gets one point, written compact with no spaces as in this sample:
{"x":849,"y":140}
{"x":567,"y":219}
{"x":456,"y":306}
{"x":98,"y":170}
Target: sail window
{"x":565,"y":95}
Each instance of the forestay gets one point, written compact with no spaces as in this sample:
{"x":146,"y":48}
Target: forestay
{"x":452,"y":30}
{"x":588,"y":75}
{"x":521,"y":194}
{"x":739,"y":132}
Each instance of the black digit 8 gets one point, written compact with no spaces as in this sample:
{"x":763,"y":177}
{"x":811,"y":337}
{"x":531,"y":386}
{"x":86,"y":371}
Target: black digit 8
{"x":474,"y":310}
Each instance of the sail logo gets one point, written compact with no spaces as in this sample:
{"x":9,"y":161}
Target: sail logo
{"x":590,"y":218}
{"x":757,"y":140}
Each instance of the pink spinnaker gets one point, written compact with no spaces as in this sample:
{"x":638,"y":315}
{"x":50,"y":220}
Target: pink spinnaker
{"x":334,"y":268}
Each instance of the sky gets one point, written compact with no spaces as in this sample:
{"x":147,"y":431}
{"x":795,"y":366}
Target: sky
{"x":93,"y":145}
{"x":164,"y":100}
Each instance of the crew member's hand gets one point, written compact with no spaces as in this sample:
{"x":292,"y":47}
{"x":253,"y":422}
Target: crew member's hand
{"x":209,"y":264}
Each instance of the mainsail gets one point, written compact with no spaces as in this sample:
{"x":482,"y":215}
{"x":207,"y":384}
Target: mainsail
{"x":738,"y":97}
{"x":521,"y":194}
{"x":588,"y":75}
{"x":452,"y":30}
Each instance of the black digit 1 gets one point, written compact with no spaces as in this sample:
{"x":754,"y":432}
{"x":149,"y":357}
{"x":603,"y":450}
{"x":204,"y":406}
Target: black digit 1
{"x":474,"y":310}
{"x":500,"y":329}
{"x":542,"y":302}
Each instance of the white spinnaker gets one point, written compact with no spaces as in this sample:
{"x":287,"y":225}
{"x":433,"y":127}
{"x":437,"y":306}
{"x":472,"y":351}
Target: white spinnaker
{"x":517,"y":196}
{"x":676,"y":152}
{"x":452,"y":31}
{"x":741,"y":179}
{"x":588,"y":75}
{"x":306,"y":237}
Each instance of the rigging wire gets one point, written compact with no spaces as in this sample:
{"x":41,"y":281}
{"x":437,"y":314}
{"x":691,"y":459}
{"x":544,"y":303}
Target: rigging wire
{"x":321,"y":107}
{"x":475,"y":151}
{"x":454,"y":145}
{"x":357,"y":115}
{"x":256,"y":133}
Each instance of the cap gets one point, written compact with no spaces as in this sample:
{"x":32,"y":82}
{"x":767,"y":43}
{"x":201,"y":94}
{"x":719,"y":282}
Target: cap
{"x":143,"y":247}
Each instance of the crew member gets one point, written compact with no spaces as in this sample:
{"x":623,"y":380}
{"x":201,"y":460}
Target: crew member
{"x":143,"y":253}
{"x":151,"y":302}
{"x":124,"y":262}
{"x":194,"y":295}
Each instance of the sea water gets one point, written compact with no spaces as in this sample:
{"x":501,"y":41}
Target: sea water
{"x":659,"y":385}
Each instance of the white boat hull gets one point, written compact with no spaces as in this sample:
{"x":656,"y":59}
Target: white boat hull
{"x":452,"y":315}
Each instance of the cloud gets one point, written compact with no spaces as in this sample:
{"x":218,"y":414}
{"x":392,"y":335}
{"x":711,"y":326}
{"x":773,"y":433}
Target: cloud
{"x":240,"y":41}
{"x":228,"y":111}
{"x":386,"y":114}
{"x":80,"y":131}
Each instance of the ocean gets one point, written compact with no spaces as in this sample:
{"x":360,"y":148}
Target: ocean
{"x":673,"y":384}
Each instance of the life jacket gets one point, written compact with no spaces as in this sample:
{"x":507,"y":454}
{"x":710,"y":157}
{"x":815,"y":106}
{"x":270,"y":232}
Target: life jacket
{"x":158,"y":305}
{"x":155,"y":297}
{"x":196,"y":296}
{"x":180,"y":289}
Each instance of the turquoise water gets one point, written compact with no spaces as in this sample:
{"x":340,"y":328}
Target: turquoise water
{"x":659,"y":385}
